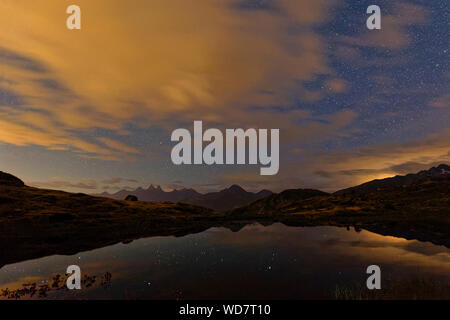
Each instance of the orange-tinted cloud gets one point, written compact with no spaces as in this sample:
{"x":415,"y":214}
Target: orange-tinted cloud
{"x":337,"y":85}
{"x":118,"y":180}
{"x":337,"y":169}
{"x":441,"y":102}
{"x":150,"y":61}
{"x":88,"y":184}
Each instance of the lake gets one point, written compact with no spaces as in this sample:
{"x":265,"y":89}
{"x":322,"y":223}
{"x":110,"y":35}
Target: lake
{"x":256,"y":262}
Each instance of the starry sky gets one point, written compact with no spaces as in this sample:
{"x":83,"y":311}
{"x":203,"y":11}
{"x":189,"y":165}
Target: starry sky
{"x":92,"y":110}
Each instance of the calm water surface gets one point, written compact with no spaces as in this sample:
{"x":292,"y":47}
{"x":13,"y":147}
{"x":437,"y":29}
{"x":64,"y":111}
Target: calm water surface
{"x":274,"y":262}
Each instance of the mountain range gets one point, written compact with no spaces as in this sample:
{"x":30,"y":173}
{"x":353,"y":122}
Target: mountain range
{"x":235,"y":197}
{"x":426,"y":191}
{"x":415,"y":206}
{"x":153,"y":193}
{"x":226,"y":199}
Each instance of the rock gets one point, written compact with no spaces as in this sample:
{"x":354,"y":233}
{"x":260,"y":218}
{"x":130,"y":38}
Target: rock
{"x":131,"y":198}
{"x":7,"y":179}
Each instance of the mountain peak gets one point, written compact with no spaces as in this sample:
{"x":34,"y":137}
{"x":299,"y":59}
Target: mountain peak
{"x":155,"y":193}
{"x":445,"y":169}
{"x":388,"y":184}
{"x":7,"y":179}
{"x":152,"y":187}
{"x":233,"y":197}
{"x":438,"y":171}
{"x":236,"y":188}
{"x":264,"y":193}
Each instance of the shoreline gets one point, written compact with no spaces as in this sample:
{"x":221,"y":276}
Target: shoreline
{"x":51,"y":222}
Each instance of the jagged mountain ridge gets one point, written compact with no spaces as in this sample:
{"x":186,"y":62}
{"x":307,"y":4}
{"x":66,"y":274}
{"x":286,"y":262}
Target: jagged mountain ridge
{"x":153,"y":193}
{"x":227,"y":199}
{"x":412,"y":194}
{"x":379,"y":185}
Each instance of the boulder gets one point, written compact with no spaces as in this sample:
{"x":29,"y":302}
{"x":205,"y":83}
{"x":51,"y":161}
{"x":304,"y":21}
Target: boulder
{"x":131,"y":198}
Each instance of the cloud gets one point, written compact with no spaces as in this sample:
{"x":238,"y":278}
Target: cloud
{"x":87,"y":184}
{"x":17,"y":60}
{"x":394,"y":28}
{"x":413,"y":167}
{"x":354,"y":56}
{"x":117,"y":145}
{"x":441,"y":102}
{"x":150,"y":63}
{"x":336,"y":85}
{"x":118,"y":180}
{"x":35,"y":128}
{"x":174,"y":186}
{"x":117,"y":188}
{"x":232,"y":64}
{"x":332,"y":170}
{"x":346,"y":168}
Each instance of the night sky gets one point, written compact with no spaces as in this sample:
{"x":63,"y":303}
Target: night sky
{"x":92,"y":110}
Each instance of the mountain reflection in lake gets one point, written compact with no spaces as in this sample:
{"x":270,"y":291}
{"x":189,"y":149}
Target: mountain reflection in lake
{"x":273,"y":262}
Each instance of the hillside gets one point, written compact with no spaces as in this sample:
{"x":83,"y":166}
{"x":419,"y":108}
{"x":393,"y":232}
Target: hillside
{"x":418,"y":209}
{"x":7,"y":179}
{"x":424,"y":192}
{"x":281,"y":202}
{"x":36,"y":222}
{"x":399,"y":182}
